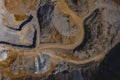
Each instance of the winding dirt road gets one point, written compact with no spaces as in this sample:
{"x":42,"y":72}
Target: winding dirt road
{"x":63,"y":7}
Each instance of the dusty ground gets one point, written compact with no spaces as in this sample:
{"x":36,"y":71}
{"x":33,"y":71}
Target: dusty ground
{"x":39,"y":37}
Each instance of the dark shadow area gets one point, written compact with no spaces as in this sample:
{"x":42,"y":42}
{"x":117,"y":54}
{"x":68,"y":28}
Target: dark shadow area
{"x":19,"y":29}
{"x":44,"y":15}
{"x":87,"y":35}
{"x":23,"y":46}
{"x":22,"y":24}
{"x":109,"y":68}
{"x":66,"y":75}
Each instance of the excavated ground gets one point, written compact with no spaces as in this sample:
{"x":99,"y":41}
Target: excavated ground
{"x":42,"y":37}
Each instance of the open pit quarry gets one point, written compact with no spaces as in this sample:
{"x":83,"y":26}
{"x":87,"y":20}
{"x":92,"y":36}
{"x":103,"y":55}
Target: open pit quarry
{"x":40,"y":38}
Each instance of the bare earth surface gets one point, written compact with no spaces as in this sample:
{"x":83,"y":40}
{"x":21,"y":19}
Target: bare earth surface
{"x":43,"y":37}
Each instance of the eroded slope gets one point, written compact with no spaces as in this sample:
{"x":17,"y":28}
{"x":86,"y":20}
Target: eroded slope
{"x":39,"y":37}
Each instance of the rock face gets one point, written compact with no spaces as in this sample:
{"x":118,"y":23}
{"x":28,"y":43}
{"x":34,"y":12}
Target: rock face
{"x":39,"y":38}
